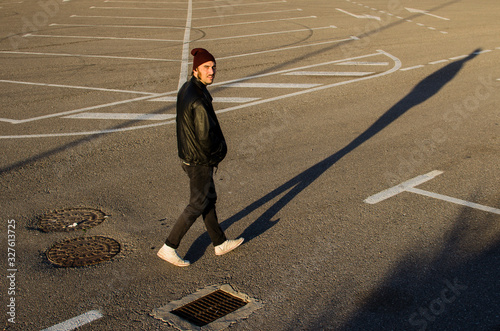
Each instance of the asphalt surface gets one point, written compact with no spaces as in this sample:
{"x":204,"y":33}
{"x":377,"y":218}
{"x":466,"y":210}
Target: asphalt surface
{"x":395,"y":90}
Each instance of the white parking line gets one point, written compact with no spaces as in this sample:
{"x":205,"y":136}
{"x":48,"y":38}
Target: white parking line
{"x":288,"y":48}
{"x":269,"y":33}
{"x":90,"y":56}
{"x":185,"y":46}
{"x":330,"y":73}
{"x":76,"y":322}
{"x":386,"y":194}
{"x":409,"y":186}
{"x":117,"y":26}
{"x":123,"y":116}
{"x":215,"y":100}
{"x":242,"y":4}
{"x":362,"y":63}
{"x":98,"y":38}
{"x":254,"y":13}
{"x":272,"y":85}
{"x":255,"y":22}
{"x":76,"y":87}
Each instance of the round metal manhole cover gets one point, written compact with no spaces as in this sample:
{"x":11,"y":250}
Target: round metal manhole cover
{"x":83,"y":251}
{"x":70,"y":219}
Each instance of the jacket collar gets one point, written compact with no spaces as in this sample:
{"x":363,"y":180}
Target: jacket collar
{"x":201,"y":86}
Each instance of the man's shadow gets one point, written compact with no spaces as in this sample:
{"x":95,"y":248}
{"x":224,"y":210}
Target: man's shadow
{"x":423,"y":91}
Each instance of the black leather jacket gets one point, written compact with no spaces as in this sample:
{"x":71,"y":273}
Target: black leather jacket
{"x":199,"y":136}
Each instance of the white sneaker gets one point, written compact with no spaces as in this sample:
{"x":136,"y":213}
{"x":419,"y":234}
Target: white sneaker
{"x":228,"y":246}
{"x":170,"y":255}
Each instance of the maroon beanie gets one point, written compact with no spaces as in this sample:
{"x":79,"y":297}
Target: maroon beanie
{"x":201,"y":56}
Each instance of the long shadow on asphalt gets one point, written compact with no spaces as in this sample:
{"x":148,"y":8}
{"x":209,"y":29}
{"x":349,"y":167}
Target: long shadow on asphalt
{"x":448,"y":287}
{"x":424,"y":90}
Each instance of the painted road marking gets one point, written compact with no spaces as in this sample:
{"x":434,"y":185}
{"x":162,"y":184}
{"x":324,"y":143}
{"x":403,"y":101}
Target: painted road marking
{"x":255,"y":22}
{"x":89,"y":56}
{"x":330,"y":73}
{"x":77,"y":321}
{"x":30,"y":35}
{"x":397,"y":66}
{"x":425,"y":12}
{"x":76,"y":87}
{"x":117,"y":26}
{"x":270,"y":33}
{"x":409,"y":186}
{"x":123,"y":116}
{"x":399,"y":17}
{"x":359,"y":16}
{"x":414,"y":67}
{"x":272,"y":85}
{"x":363,"y":63}
{"x":215,"y":99}
{"x":291,"y":47}
{"x":386,"y":194}
{"x":185,"y":46}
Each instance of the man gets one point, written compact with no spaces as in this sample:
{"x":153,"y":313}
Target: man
{"x":201,"y":146}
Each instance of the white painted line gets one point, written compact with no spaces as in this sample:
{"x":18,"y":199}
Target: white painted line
{"x":75,"y":87}
{"x":243,"y":4}
{"x":255,"y":13}
{"x":289,"y":48}
{"x":482,"y":52}
{"x":127,"y":17}
{"x":97,"y":38}
{"x":414,"y":67}
{"x":69,"y":112}
{"x":215,"y":100}
{"x":254,"y":22}
{"x":376,"y":198}
{"x":185,"y":46}
{"x":135,"y":8}
{"x":117,"y":26}
{"x":458,"y":57}
{"x":90,"y":56}
{"x":454,"y":200}
{"x":329,"y":73}
{"x":425,"y":12}
{"x":438,"y":61}
{"x":123,"y":116}
{"x":271,"y":85}
{"x":76,"y":322}
{"x":397,"y":65}
{"x":360,"y":63}
{"x":358,"y":16}
{"x":269,"y":33}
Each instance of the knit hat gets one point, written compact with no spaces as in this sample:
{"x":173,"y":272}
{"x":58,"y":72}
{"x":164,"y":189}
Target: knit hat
{"x":201,"y":56}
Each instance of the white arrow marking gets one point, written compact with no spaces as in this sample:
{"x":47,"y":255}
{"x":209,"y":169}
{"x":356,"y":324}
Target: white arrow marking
{"x":425,"y":12}
{"x":359,"y":16}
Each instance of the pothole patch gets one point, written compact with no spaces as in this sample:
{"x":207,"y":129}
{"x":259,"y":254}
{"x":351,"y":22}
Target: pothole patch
{"x":83,"y":251}
{"x":212,"y":308}
{"x":70,"y":219}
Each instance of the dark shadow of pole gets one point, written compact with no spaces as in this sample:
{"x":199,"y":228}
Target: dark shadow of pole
{"x":424,"y":90}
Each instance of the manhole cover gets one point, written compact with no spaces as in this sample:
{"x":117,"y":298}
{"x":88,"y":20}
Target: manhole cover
{"x":70,"y":219}
{"x":83,"y":251}
{"x":209,"y":308}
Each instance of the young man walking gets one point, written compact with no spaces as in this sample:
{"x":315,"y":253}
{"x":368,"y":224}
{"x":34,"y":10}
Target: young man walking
{"x":201,"y":147}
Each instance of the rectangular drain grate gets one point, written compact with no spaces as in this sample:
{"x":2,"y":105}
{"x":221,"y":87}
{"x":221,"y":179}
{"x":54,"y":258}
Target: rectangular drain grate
{"x":209,"y":308}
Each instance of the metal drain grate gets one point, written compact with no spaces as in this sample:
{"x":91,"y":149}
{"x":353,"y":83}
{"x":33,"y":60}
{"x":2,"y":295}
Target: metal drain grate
{"x":70,"y":219}
{"x":83,"y":251}
{"x":209,"y":308}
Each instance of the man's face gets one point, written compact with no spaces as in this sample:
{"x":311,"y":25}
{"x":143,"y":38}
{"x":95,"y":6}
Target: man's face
{"x":205,"y":72}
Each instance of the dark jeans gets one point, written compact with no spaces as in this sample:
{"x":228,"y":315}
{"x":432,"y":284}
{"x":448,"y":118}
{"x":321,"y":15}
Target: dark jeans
{"x":201,"y":202}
